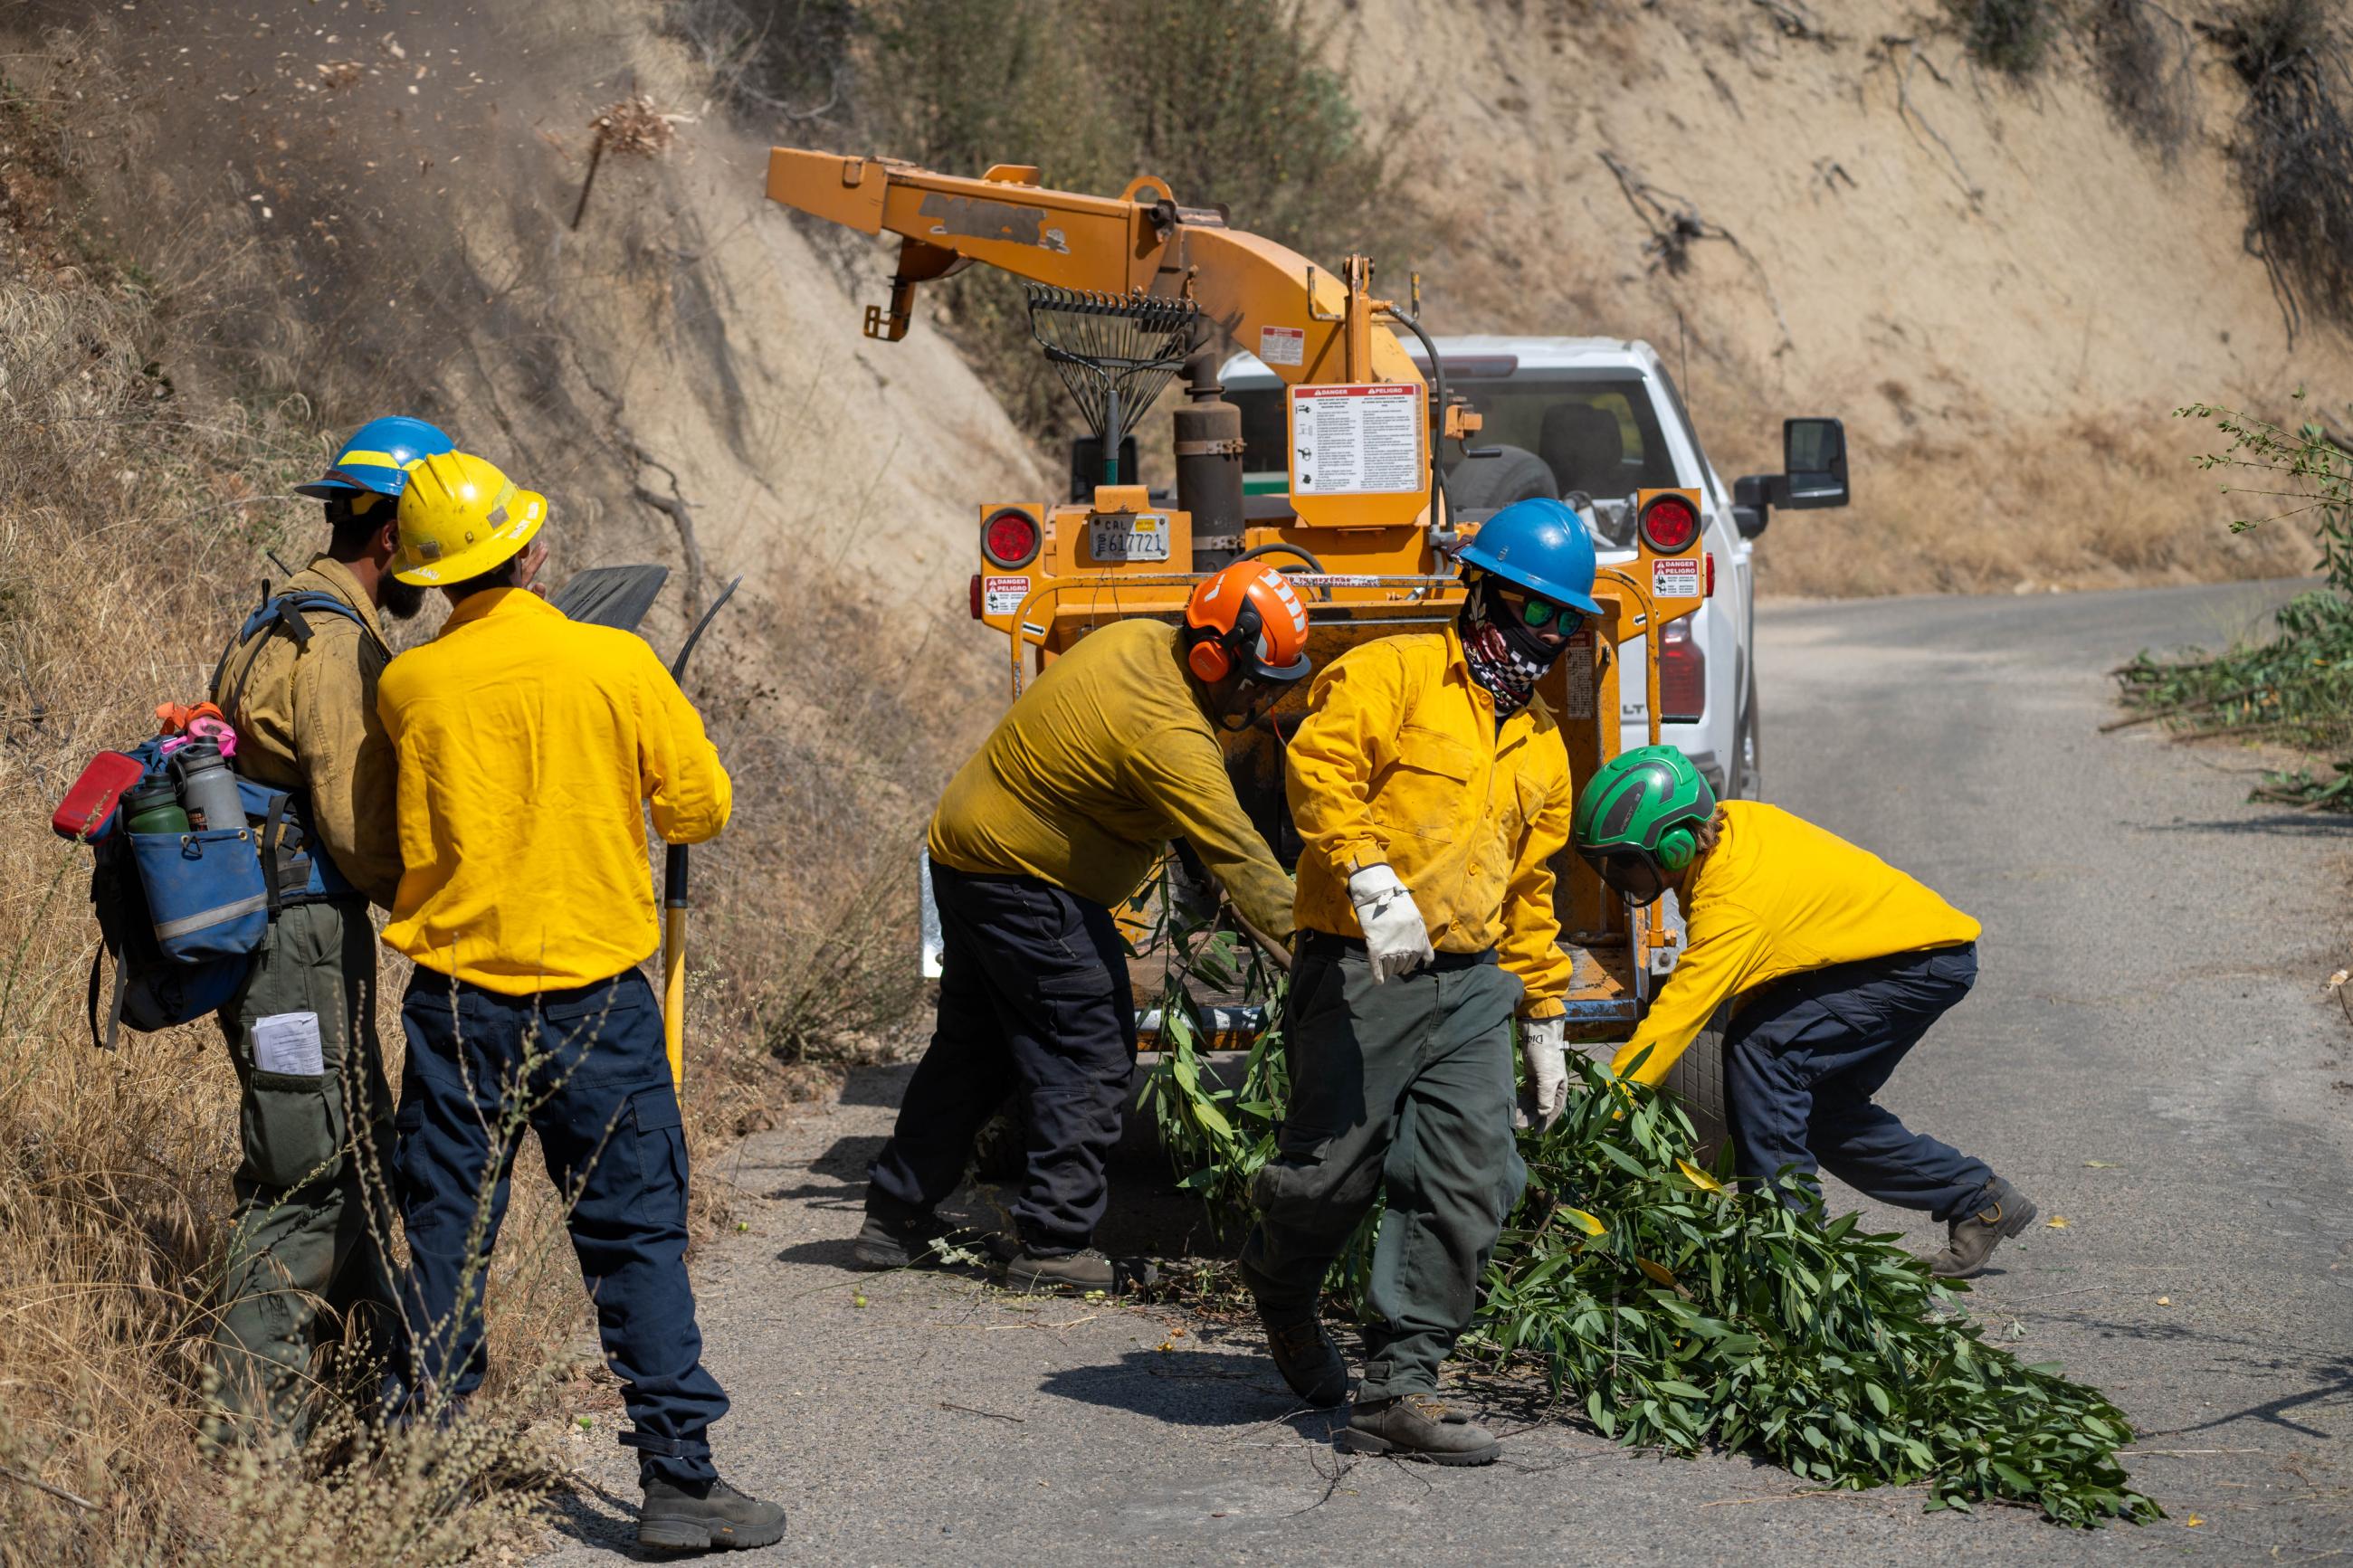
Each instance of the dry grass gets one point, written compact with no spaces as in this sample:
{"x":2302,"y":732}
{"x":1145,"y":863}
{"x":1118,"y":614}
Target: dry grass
{"x":139,"y":518}
{"x":2091,"y":505}
{"x":134,"y":530}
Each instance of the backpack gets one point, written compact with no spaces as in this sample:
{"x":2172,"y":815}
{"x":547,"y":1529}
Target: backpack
{"x":182,"y":914}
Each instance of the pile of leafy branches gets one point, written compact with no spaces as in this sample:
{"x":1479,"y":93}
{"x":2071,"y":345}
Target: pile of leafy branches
{"x":2298,"y":688}
{"x":1685,"y":1314}
{"x":1678,"y":1314}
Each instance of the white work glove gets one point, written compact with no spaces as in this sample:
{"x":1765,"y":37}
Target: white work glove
{"x":1542,"y":1043}
{"x":1396,"y":941}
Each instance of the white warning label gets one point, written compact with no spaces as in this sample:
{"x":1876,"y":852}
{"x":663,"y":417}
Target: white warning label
{"x":1002,"y":595}
{"x":1675,"y":579}
{"x":1283,"y":345}
{"x":1576,"y":672}
{"x":1357,"y":440}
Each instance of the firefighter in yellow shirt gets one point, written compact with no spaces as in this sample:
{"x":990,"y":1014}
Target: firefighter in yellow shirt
{"x":530,"y":747}
{"x":1431,"y":789}
{"x":1058,"y":819}
{"x":1836,"y":962}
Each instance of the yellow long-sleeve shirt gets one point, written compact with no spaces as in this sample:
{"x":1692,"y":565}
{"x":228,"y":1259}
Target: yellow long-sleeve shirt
{"x":1776,"y":896}
{"x":305,"y":717}
{"x":529,"y":745}
{"x":1097,"y":765}
{"x":1399,"y":760}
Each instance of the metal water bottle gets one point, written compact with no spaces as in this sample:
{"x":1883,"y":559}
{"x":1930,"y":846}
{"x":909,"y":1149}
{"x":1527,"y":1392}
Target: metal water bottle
{"x":207,"y":787}
{"x":154,"y":809}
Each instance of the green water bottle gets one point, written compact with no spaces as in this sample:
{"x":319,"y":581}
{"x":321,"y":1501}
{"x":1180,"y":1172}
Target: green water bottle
{"x":153,"y":808}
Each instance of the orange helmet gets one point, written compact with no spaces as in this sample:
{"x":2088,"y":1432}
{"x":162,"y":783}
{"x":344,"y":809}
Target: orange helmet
{"x":1248,"y":616}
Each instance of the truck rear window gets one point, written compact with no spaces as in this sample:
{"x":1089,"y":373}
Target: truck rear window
{"x":1597,"y":431}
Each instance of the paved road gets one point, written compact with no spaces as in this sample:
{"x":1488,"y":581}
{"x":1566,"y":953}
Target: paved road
{"x":2148,"y":1053}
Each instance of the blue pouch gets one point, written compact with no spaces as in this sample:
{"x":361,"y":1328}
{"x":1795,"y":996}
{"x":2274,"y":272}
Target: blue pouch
{"x":206,"y":896}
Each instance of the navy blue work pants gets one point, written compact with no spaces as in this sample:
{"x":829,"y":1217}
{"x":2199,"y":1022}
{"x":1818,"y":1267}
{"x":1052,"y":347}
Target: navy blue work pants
{"x":1035,"y":1002}
{"x":1804,"y":1057}
{"x":584,"y":1068}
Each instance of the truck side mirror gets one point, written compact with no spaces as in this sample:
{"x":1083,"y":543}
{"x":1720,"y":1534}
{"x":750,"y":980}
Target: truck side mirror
{"x":1752,"y":501}
{"x":1813,"y":464}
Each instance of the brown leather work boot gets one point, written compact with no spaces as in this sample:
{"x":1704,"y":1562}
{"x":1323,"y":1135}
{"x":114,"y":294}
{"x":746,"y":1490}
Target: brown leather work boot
{"x":2001,"y":1213}
{"x":1310,"y":1362}
{"x":1418,"y":1427}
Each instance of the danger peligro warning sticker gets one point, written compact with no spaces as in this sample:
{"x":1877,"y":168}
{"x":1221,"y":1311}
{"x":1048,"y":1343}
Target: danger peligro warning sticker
{"x":1674,"y":579}
{"x":1002,"y":595}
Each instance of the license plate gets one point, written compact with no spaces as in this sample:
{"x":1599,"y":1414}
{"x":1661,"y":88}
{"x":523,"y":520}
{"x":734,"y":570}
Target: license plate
{"x":1128,"y":539}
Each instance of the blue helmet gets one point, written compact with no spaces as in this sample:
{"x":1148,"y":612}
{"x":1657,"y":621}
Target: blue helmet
{"x":1541,"y":546}
{"x":378,"y":456}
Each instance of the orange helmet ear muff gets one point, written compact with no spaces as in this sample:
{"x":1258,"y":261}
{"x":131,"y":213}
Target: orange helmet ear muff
{"x":1212,"y":657}
{"x":1208,"y":659}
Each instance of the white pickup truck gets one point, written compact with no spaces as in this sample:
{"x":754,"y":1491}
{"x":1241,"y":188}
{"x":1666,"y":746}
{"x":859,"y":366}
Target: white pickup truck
{"x":1590,"y":421}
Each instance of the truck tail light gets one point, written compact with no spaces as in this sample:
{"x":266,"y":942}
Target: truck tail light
{"x":1682,"y":675}
{"x":1670,"y":524}
{"x":1009,"y":538}
{"x":975,"y":596}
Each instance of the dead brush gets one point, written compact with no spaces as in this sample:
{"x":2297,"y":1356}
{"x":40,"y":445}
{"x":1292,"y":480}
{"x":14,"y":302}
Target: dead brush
{"x":2295,"y":150}
{"x":2140,"y":53}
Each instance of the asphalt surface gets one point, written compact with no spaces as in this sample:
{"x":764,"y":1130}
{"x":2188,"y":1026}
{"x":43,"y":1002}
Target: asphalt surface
{"x":2149,"y":1053}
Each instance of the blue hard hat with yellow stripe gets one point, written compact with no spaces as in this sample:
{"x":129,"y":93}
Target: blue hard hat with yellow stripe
{"x":377,"y":457}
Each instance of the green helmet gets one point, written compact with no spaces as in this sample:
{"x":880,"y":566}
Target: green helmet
{"x":1638,"y":820}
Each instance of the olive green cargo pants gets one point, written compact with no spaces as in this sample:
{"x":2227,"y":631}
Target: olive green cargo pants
{"x":305,"y":1258}
{"x":1402,"y":1089}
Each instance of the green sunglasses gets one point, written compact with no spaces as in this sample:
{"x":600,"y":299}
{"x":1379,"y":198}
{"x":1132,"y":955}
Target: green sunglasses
{"x":1543,"y":614}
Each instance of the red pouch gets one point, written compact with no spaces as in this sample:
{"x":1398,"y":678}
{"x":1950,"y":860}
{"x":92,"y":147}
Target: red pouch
{"x":89,"y":806}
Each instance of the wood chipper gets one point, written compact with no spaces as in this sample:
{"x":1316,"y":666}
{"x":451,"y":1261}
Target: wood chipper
{"x":1125,"y":293}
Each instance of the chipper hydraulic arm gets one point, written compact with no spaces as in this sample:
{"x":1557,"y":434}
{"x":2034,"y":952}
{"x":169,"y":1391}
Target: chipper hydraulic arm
{"x":1124,"y":290}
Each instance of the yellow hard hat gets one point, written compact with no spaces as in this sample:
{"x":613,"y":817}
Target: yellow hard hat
{"x":460,"y":516}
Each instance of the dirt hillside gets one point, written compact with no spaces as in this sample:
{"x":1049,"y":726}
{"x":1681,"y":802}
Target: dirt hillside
{"x":2002,"y":292}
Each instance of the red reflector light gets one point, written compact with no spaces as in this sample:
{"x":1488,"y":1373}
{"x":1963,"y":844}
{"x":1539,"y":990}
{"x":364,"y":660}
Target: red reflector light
{"x":1711,"y":573}
{"x":1682,"y":676}
{"x":1009,"y":538}
{"x":1670,"y":525}
{"x":975,"y":596}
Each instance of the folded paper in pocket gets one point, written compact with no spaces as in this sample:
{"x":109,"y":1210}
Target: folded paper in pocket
{"x":288,"y":1043}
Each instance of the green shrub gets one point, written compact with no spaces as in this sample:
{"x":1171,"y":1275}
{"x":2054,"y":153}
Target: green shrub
{"x":1223,"y":98}
{"x":2297,"y":688}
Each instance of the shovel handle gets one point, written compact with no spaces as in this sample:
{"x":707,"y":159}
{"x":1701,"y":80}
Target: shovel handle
{"x":674,"y":963}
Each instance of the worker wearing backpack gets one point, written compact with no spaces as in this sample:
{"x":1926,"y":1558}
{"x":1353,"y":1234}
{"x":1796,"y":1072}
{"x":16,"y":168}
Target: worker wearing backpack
{"x":298,"y":684}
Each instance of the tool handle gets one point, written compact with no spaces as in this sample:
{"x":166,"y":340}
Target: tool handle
{"x":674,"y":961}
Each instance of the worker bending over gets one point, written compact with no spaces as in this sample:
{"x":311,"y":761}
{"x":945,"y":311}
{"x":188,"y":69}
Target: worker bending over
{"x":528,"y":747}
{"x":1432,"y":789}
{"x":1058,"y":819}
{"x":298,"y":685}
{"x":1836,"y":964}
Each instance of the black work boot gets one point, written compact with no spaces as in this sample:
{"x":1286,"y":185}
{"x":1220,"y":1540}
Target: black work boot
{"x":927,"y":1241}
{"x":1310,"y":1362}
{"x":1418,"y":1427}
{"x":1078,"y":1273}
{"x":2002,"y":1212}
{"x":713,"y":1516}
